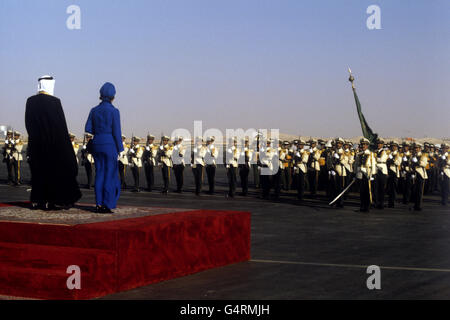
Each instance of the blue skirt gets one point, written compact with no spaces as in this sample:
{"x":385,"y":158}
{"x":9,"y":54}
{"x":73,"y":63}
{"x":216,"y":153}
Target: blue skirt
{"x":107,"y":183}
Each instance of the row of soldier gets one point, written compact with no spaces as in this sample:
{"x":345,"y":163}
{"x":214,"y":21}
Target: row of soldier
{"x":409,"y":169}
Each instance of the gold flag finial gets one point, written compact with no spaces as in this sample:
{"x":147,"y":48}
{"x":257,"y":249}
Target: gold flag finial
{"x":351,"y":78}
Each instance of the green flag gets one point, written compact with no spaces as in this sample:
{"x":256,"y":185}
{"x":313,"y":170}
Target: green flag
{"x":367,"y":132}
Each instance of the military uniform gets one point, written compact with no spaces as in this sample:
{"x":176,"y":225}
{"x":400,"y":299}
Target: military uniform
{"x":178,"y":162}
{"x":393,"y":162}
{"x":254,"y":162}
{"x":123,"y":163}
{"x":313,"y":167}
{"x":339,"y":173}
{"x":381,"y":175}
{"x":135,"y":161}
{"x":244,"y":166}
{"x":365,"y":169}
{"x":165,"y":162}
{"x":286,"y":165}
{"x":444,"y":174}
{"x":406,"y":173}
{"x":149,"y":160}
{"x":231,"y":165}
{"x":75,"y":145}
{"x":301,"y":157}
{"x":198,"y":162}
{"x":12,"y":156}
{"x":266,"y":158}
{"x":87,"y":160}
{"x":210,"y":161}
{"x":419,"y":162}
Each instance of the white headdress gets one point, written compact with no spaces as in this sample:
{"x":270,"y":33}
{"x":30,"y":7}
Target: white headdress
{"x":47,"y":84}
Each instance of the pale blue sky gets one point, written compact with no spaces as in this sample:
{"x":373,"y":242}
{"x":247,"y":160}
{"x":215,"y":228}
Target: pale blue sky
{"x":234,"y":64}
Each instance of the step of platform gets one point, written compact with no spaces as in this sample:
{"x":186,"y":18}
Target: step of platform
{"x":43,"y":270}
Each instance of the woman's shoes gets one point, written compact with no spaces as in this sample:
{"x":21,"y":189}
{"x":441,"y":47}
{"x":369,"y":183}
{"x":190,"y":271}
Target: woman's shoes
{"x":102,"y":209}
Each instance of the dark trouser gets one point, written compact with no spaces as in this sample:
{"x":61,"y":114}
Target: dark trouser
{"x":380,"y":188}
{"x":211,"y":173}
{"x":287,"y":181}
{"x":428,"y":183}
{"x":445,"y":181}
{"x":392,"y":188}
{"x":88,"y":167}
{"x":418,"y":189}
{"x":9,"y":168}
{"x":277,"y":182}
{"x":364,"y":194}
{"x":13,"y":168}
{"x":255,"y":175}
{"x":16,"y":167}
{"x":231,"y":174}
{"x":300,"y":177}
{"x":339,"y":187}
{"x":149,"y":175}
{"x":122,"y":169}
{"x":178,"y":171}
{"x":244,"y":170}
{"x":407,"y":188}
{"x":165,"y":170}
{"x":198,"y":177}
{"x":323,"y":178}
{"x":313,"y":177}
{"x":135,"y":172}
{"x":265,"y":185}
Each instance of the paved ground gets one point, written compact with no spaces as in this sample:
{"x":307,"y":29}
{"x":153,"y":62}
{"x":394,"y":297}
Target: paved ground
{"x":307,"y":251}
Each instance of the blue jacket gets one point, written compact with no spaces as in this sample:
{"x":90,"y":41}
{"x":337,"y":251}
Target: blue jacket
{"x":104,"y":123}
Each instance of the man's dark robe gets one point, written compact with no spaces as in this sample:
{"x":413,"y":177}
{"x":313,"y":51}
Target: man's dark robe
{"x":53,"y":163}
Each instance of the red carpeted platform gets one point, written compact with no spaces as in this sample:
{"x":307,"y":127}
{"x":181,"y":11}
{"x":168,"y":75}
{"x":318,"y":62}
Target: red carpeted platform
{"x":117,"y":255}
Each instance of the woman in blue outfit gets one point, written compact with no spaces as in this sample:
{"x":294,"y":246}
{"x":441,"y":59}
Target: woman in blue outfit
{"x":104,"y":124}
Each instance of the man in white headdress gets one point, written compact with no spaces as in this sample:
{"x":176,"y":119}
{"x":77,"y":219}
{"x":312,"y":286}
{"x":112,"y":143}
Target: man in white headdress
{"x":51,"y":156}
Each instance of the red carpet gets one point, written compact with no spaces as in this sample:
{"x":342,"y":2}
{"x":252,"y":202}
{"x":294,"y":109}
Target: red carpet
{"x":117,"y":255}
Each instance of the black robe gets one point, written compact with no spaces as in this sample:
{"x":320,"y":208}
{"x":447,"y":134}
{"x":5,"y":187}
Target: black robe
{"x":53,"y":163}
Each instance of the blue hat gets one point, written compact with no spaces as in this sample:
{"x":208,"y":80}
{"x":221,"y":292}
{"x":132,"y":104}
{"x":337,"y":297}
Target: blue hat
{"x":107,"y":91}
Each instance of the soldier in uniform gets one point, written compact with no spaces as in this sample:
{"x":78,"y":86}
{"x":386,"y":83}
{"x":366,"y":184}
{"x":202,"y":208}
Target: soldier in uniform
{"x":198,"y":162}
{"x":419,"y":163}
{"x":293,"y":176}
{"x":265,"y":162}
{"x":313,"y":166}
{"x":365,"y":169}
{"x":349,"y":163}
{"x":210,"y":161}
{"x":433,"y":176}
{"x":165,"y":162}
{"x":123,"y":162}
{"x":339,"y":172}
{"x":406,"y":174}
{"x":393,"y":163}
{"x":444,"y":173}
{"x":135,"y":161}
{"x":254,"y":162}
{"x":17,"y":157}
{"x":301,"y":157}
{"x":148,"y":157}
{"x":8,"y":148}
{"x":231,"y":165}
{"x":75,"y":145}
{"x":87,"y":160}
{"x":178,"y":162}
{"x":244,"y":165}
{"x":428,"y":149}
{"x":381,"y":175}
{"x":286,"y":165}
